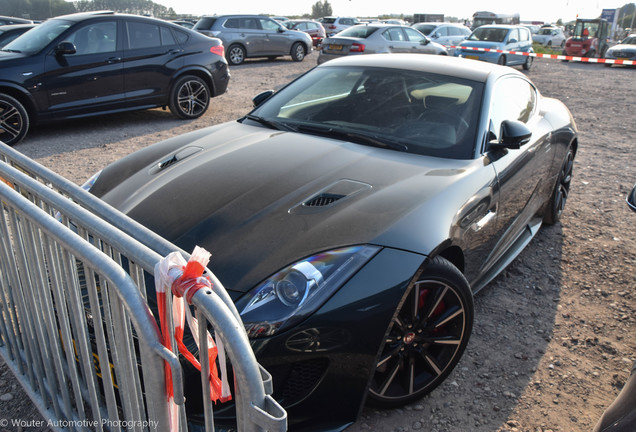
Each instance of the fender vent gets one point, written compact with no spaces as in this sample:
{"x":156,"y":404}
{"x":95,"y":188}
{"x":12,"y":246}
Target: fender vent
{"x":323,"y":199}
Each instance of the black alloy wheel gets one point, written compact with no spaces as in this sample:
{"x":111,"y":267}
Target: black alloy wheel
{"x":190,"y":97}
{"x":561,"y":190}
{"x":14,"y":120}
{"x":426,"y":337}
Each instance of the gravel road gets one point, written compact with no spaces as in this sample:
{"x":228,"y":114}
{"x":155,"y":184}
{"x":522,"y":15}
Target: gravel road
{"x":554,"y":335}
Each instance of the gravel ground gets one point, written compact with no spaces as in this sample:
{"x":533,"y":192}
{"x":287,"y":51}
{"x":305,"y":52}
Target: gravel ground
{"x":554,"y":335}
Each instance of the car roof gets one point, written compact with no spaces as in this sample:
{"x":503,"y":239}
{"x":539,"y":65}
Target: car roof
{"x":443,"y":65}
{"x":502,"y":26}
{"x":8,"y":27}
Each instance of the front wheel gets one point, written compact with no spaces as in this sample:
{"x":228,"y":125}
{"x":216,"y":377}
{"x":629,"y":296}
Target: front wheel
{"x":14,"y":120}
{"x":189,"y":97}
{"x":502,"y":60}
{"x":298,"y":52}
{"x":561,"y":190}
{"x":426,"y":337}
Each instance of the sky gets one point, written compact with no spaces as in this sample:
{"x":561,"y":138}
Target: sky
{"x":533,"y":10}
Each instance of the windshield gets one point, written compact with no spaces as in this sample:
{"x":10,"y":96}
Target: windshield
{"x":584,"y":30}
{"x":631,"y":40}
{"x":489,"y":34}
{"x":38,"y":37}
{"x":412,"y":111}
{"x":358,"y":31}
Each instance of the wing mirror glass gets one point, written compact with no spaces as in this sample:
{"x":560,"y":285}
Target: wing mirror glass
{"x":65,"y":48}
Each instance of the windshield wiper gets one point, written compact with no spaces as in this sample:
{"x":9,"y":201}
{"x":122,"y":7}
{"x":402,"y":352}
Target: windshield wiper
{"x":353,"y":136}
{"x":269,"y":123}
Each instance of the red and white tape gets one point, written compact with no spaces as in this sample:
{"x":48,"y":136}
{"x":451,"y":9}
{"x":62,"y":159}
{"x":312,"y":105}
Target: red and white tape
{"x":552,"y":56}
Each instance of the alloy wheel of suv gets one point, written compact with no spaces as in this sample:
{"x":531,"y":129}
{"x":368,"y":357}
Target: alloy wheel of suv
{"x":236,"y":54}
{"x":14,"y":120}
{"x":190,"y":97}
{"x":298,"y":52}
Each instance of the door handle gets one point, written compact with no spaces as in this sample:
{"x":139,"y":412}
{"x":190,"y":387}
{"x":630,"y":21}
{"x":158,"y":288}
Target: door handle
{"x":112,"y":60}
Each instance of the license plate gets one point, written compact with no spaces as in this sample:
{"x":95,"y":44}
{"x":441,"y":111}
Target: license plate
{"x":335,"y":47}
{"x":473,"y":57}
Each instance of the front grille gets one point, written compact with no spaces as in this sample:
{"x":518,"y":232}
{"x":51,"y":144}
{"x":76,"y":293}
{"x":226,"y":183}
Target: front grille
{"x":322,"y":200}
{"x":624,"y":54}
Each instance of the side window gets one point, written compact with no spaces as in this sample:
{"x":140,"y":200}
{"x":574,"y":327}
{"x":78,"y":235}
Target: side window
{"x":166,"y":37}
{"x":231,"y":23}
{"x":412,"y":35}
{"x":524,"y":35}
{"x":99,"y":37}
{"x":514,"y":34}
{"x":347,"y":21}
{"x":513,"y":99}
{"x":249,"y":24}
{"x":269,"y":25}
{"x":142,"y":35}
{"x":394,"y":34}
{"x":181,"y":37}
{"x":442,"y":31}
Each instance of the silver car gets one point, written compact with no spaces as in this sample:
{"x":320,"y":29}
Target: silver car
{"x":377,"y":38}
{"x":550,"y":37}
{"x":447,"y":34}
{"x":248,"y":36}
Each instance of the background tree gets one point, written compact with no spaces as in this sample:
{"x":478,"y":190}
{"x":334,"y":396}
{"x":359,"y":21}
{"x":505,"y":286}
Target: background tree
{"x":321,"y":9}
{"x":36,"y":9}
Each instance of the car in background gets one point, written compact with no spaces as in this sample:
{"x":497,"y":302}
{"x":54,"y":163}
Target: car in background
{"x":447,"y":34}
{"x":183,"y":23}
{"x":377,"y":38}
{"x":94,"y":63}
{"x":7,"y":20}
{"x":280,"y":18}
{"x":12,"y":31}
{"x":313,"y":28}
{"x":625,"y":50}
{"x":495,"y":38}
{"x":335,"y":25}
{"x":550,"y":37}
{"x":251,"y":36}
{"x":377,"y":195}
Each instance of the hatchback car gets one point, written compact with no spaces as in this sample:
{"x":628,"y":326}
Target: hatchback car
{"x":447,"y":34}
{"x":335,"y":25}
{"x":377,"y":38}
{"x":625,"y":50}
{"x":12,"y":31}
{"x":101,"y":62}
{"x":353,"y":215}
{"x":498,"y":38}
{"x":550,"y":37}
{"x":250,"y":36}
{"x":312,"y":28}
{"x":8,"y":20}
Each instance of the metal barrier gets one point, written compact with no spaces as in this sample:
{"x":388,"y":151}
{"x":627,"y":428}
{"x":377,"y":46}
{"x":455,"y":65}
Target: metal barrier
{"x":75,"y":326}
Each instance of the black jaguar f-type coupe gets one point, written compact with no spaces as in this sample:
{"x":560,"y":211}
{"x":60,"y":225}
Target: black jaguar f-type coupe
{"x":354,"y":213}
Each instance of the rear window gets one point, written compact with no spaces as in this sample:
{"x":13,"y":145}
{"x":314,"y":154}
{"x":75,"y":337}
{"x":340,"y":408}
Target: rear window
{"x":329,"y":20}
{"x":205,"y":23}
{"x":358,"y":31}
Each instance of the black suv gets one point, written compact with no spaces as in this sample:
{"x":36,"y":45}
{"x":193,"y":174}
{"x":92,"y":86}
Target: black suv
{"x":102,"y":62}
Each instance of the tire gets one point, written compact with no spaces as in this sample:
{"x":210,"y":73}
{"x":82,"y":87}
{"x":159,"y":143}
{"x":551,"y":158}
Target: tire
{"x":235,"y":55}
{"x":561,"y":190}
{"x":14,"y":120}
{"x":591,"y":54}
{"x":528,"y":64}
{"x":501,"y":60}
{"x":549,"y":45}
{"x":298,"y":52}
{"x":426,"y":338}
{"x":189,"y":97}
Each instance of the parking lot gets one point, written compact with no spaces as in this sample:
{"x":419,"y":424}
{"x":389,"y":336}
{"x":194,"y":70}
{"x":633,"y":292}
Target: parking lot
{"x":554,"y":335}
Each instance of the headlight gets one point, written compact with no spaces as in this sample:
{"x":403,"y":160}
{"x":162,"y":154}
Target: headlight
{"x":297,"y":291}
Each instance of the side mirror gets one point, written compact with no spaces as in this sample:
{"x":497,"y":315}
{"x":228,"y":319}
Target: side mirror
{"x":65,"y":48}
{"x":281,"y":29}
{"x":262,"y":97}
{"x":513,"y":40}
{"x":425,"y":41}
{"x":631,"y":199}
{"x":513,"y":135}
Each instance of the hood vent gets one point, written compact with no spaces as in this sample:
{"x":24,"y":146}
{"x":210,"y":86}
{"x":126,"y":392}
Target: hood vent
{"x":323,"y":199}
{"x":327,"y":197}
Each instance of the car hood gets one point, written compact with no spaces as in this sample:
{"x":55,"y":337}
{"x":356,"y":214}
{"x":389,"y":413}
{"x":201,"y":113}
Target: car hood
{"x":11,"y":57}
{"x":260,"y":200}
{"x":623,"y":48}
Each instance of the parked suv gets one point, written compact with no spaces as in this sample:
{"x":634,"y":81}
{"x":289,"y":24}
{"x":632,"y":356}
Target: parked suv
{"x":335,"y":25}
{"x":102,"y":62}
{"x":247,"y":36}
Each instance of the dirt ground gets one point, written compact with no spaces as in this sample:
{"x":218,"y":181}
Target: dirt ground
{"x":554,"y":336}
